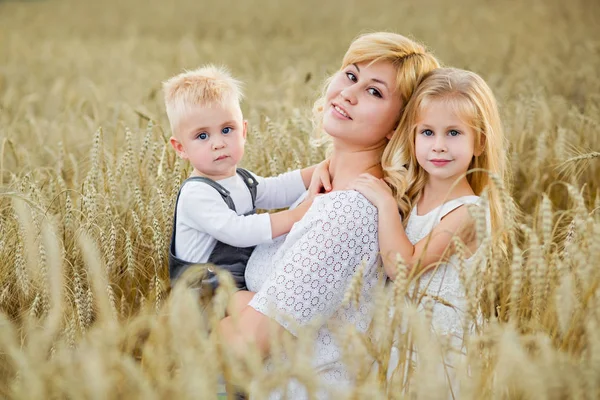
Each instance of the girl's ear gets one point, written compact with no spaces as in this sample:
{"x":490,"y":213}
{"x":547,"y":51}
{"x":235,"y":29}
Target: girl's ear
{"x":245,"y":131}
{"x":176,"y":144}
{"x":479,"y":149}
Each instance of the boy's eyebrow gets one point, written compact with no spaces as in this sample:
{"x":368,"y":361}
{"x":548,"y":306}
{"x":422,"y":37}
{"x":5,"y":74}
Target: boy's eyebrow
{"x":206,"y":128}
{"x":373,"y":79}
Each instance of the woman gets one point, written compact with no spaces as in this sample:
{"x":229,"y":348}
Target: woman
{"x":302,"y":278}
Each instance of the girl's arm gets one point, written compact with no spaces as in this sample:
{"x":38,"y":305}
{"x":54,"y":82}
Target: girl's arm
{"x":393,"y":240}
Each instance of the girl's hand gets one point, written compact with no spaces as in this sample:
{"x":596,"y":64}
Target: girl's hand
{"x":374,"y":189}
{"x":321,"y":180}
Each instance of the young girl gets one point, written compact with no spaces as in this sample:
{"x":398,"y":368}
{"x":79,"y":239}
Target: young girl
{"x":451,"y":125}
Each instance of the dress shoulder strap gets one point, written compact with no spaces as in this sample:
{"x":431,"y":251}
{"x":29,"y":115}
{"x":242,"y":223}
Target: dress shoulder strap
{"x":452,"y":205}
{"x":250,"y":182}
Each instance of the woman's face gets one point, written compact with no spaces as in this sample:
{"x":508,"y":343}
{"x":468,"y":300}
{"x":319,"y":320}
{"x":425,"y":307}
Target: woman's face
{"x":362,"y":106}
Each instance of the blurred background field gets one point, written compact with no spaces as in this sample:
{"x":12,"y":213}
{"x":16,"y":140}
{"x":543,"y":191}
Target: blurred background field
{"x":87,"y":182}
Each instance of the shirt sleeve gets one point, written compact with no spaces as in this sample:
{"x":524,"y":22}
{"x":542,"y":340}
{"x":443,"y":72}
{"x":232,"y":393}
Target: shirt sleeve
{"x":202,"y":208}
{"x":279,"y":191}
{"x":314,"y":267}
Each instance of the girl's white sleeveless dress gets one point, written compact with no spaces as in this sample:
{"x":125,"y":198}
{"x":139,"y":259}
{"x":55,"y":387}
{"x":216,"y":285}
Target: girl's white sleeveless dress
{"x":442,"y":285}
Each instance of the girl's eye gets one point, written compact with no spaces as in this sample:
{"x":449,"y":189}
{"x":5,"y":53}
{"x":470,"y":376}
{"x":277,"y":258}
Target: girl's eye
{"x":351,"y":76}
{"x":226,"y":130}
{"x":427,"y":132}
{"x":374,"y":92}
{"x":203,"y":136}
{"x":454,"y":132}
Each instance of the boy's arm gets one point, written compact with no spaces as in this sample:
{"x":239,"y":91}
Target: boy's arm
{"x":307,"y":174}
{"x":283,"y":190}
{"x":205,"y":211}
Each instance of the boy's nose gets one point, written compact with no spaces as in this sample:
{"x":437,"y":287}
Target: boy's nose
{"x":218,"y":144}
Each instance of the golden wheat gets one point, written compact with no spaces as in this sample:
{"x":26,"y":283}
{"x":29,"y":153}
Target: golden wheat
{"x":88,"y":184}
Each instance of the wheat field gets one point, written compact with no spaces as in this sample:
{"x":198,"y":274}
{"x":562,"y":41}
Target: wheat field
{"x":87,"y":186}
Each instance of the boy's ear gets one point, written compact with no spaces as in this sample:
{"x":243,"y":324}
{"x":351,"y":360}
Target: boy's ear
{"x":245,"y":131}
{"x":479,"y":149}
{"x":176,"y":144}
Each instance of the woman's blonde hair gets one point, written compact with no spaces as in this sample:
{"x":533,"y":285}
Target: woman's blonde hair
{"x":411,"y":60}
{"x":473,"y":101}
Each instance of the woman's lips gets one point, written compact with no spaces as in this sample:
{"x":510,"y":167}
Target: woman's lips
{"x":339,"y":112}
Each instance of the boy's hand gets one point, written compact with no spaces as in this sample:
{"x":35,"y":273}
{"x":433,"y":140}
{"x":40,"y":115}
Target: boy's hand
{"x":374,"y":189}
{"x":320,"y":181}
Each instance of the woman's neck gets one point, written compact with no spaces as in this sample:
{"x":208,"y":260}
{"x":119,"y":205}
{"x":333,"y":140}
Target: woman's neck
{"x":437,"y":192}
{"x":347,"y":165}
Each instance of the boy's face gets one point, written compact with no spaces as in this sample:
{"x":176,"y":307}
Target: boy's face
{"x":212,"y":139}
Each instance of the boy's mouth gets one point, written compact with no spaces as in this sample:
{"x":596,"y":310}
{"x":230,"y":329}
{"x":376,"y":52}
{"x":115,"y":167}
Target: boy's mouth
{"x":221,"y":158}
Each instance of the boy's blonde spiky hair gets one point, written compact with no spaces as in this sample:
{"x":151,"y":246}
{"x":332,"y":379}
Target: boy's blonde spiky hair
{"x":206,"y":86}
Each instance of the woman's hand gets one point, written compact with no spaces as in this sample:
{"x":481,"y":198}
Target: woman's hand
{"x":374,"y":189}
{"x":321,"y":180}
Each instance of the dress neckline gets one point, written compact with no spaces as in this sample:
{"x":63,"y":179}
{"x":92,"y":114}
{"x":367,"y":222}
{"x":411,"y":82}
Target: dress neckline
{"x":414,"y":212}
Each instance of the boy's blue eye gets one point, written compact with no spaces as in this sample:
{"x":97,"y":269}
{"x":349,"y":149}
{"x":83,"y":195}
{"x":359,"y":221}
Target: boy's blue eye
{"x":454,"y":132}
{"x":203,"y":136}
{"x":226,"y":130}
{"x":351,"y":76}
{"x":427,"y":132}
{"x":374,"y":92}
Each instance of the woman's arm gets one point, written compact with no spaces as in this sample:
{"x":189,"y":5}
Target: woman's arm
{"x":238,"y":301}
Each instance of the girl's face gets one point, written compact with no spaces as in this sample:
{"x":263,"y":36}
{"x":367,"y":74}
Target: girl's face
{"x":444,"y":143}
{"x":362,"y":106}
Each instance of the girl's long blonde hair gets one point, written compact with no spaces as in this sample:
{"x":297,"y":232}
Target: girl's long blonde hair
{"x":411,"y":60}
{"x":472,"y":100}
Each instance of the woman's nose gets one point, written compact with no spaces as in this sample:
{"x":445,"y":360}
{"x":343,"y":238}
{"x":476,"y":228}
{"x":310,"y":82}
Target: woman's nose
{"x":349,"y":95}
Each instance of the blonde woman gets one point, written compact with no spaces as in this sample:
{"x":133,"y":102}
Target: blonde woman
{"x":302,"y":277}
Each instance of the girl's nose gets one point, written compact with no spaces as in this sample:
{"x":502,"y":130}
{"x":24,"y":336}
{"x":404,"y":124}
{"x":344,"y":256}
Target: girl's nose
{"x":440,"y":144}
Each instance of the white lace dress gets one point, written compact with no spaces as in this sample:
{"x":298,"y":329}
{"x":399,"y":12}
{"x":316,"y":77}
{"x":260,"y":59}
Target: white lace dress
{"x":304,"y":276}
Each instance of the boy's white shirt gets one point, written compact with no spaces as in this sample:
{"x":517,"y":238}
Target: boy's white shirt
{"x":203,"y":217}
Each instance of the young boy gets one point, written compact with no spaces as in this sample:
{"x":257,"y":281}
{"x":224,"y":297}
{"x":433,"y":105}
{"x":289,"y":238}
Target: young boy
{"x":215,"y":220}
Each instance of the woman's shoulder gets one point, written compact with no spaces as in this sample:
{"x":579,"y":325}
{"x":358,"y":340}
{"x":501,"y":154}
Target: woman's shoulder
{"x":346,"y":201}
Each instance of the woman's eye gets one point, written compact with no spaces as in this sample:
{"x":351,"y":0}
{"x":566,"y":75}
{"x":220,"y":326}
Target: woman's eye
{"x":454,"y":132}
{"x":226,"y":130}
{"x":351,"y":76}
{"x":427,"y":132}
{"x":203,"y":136}
{"x":375,"y":92}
